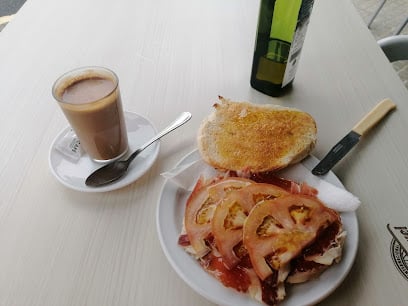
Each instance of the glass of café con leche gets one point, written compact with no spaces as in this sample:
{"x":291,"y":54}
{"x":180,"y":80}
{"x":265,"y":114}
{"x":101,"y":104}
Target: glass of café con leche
{"x":91,"y":102}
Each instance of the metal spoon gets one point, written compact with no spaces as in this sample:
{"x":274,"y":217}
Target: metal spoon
{"x":115,"y":170}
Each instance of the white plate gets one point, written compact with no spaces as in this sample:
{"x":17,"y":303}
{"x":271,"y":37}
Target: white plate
{"x":73,"y":174}
{"x":170,"y":213}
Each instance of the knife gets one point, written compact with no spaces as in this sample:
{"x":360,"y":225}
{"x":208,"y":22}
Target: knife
{"x":352,"y":138}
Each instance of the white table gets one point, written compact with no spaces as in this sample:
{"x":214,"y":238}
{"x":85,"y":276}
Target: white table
{"x":62,"y":247}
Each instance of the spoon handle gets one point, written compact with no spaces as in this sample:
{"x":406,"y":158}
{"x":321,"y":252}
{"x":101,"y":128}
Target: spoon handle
{"x":183,"y":118}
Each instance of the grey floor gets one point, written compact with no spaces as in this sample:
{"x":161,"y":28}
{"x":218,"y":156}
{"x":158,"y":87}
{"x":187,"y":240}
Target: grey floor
{"x":388,"y":20}
{"x":385,"y":24}
{"x":9,"y":7}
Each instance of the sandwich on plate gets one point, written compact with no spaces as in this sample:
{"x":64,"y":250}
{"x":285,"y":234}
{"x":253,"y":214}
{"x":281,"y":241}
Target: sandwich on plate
{"x":253,"y":231}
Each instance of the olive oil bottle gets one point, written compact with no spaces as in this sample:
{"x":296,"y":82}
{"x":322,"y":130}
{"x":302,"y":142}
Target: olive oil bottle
{"x":281,"y":32}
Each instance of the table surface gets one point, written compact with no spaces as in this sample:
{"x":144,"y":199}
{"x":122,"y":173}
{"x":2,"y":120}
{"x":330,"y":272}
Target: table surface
{"x":63,"y":247}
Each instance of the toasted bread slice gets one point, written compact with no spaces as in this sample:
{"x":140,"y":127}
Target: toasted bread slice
{"x":242,"y":136}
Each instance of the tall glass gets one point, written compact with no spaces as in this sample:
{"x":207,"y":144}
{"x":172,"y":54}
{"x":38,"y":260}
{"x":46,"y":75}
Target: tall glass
{"x":91,"y":101}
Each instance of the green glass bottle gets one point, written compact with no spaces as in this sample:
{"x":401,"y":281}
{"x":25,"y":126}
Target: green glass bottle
{"x":281,"y":32}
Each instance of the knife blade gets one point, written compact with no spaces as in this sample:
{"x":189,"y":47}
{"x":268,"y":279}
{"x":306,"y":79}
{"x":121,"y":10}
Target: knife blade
{"x":352,"y":138}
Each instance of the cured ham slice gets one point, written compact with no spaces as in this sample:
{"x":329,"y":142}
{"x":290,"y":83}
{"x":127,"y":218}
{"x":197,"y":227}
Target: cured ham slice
{"x":257,"y":236}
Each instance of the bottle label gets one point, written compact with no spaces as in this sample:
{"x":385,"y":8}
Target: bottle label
{"x":297,"y":43}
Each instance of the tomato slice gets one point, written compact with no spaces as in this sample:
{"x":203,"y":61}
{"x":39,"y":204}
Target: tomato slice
{"x":200,"y":209}
{"x":230,"y":215}
{"x":276,"y":231}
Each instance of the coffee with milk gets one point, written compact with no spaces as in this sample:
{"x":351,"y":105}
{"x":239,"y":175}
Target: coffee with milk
{"x":91,"y":101}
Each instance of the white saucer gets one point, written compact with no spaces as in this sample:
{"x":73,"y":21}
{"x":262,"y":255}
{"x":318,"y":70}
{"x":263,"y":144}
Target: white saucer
{"x":73,"y":174}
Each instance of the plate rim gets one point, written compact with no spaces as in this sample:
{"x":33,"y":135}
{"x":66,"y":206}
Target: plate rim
{"x":351,"y":244}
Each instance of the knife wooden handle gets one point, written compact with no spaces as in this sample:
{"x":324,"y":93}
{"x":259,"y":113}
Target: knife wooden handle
{"x":374,"y":116}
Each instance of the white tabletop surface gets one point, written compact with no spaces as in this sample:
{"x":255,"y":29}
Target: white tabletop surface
{"x":63,"y":247}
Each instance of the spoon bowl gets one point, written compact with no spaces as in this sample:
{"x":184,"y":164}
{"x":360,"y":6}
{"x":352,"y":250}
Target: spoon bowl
{"x":117,"y":169}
